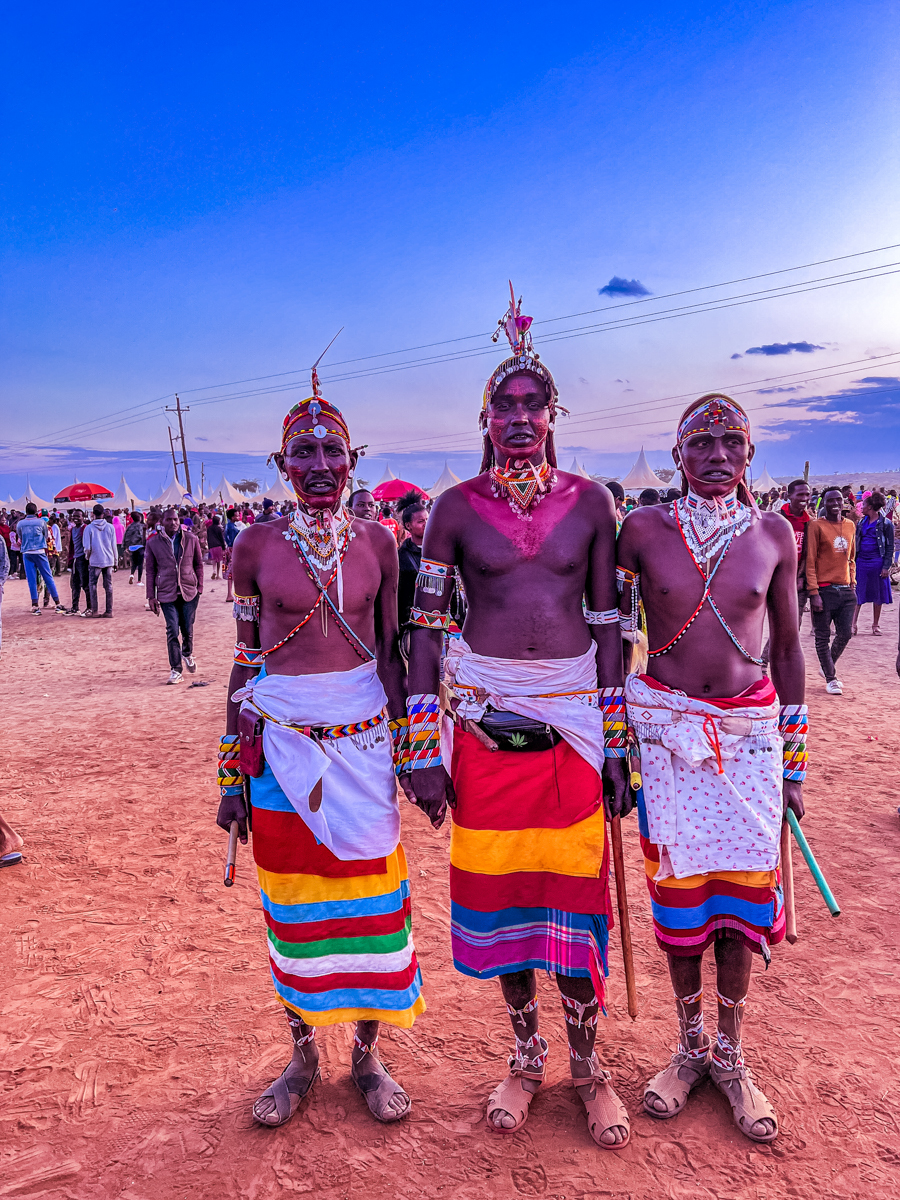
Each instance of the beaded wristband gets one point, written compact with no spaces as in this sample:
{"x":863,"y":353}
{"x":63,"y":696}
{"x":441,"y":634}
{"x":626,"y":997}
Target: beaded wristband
{"x":244,"y":656}
{"x":424,"y":712}
{"x":399,"y":727}
{"x":615,"y":734}
{"x":430,"y":620}
{"x":433,"y":576}
{"x":609,"y":617}
{"x":793,"y":723}
{"x":229,"y":773}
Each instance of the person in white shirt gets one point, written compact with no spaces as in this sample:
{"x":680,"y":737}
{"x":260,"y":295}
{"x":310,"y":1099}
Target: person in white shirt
{"x":99,"y":541}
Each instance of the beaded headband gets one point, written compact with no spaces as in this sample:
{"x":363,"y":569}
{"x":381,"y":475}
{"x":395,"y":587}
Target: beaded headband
{"x":716,"y":414}
{"x":524,"y":357}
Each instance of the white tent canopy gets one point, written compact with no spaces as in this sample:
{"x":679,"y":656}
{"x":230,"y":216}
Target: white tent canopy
{"x":765,"y":483}
{"x":386,"y":477}
{"x":279,"y":491}
{"x":30,"y":496}
{"x":575,"y":469}
{"x":641,"y":476}
{"x":125,"y":497}
{"x":446,"y":480}
{"x":172,"y":496}
{"x":224,"y":493}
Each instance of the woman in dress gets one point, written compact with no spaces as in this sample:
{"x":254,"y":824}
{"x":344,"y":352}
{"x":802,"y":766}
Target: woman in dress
{"x":874,"y":555}
{"x":215,"y":540}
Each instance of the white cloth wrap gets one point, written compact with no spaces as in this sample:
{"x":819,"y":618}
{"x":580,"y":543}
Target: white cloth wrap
{"x":701,"y":820}
{"x":518,"y":685}
{"x":359,"y":816}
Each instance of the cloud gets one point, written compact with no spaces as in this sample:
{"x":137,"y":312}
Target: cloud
{"x":784,"y":348}
{"x":737,"y":356}
{"x":198,"y":438}
{"x":772,"y":391}
{"x":623,"y":287}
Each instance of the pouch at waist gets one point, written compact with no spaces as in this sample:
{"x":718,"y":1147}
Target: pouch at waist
{"x":511,"y":731}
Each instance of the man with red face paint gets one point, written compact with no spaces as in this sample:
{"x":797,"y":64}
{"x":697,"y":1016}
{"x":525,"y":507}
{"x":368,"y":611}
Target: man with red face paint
{"x":318,"y":681}
{"x":529,"y":864}
{"x":719,"y":760}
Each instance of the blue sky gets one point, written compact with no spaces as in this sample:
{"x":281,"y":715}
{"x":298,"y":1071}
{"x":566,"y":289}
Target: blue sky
{"x":201,"y":194}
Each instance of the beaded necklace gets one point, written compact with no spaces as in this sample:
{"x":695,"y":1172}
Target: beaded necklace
{"x":522,"y":485}
{"x":319,"y":535}
{"x":708,"y":524}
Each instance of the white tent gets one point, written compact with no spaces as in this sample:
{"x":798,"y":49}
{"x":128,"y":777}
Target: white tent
{"x":641,"y":476}
{"x":447,"y":480}
{"x":765,"y":483}
{"x":125,"y":497}
{"x":576,"y":470}
{"x":386,"y":477}
{"x":225,"y":493}
{"x":279,"y":491}
{"x":30,"y":496}
{"x":172,"y":496}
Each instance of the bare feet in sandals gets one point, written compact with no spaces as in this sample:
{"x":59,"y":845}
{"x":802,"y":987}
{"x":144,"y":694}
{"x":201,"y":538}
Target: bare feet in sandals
{"x":386,"y":1099}
{"x":281,"y":1099}
{"x":753,"y":1114}
{"x":607,"y":1116}
{"x":509,"y":1102}
{"x":667,"y":1092}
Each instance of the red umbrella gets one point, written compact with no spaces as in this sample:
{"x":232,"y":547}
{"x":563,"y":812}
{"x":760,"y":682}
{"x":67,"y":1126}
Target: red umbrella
{"x":395,"y":488}
{"x":82,"y":491}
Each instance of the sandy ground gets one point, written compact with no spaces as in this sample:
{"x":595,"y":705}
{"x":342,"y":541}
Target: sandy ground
{"x":138,"y":1023}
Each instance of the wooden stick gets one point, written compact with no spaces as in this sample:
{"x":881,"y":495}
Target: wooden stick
{"x":232,"y":853}
{"x":787,"y":881}
{"x":615,"y":829}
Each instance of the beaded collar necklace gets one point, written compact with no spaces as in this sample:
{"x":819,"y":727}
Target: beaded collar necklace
{"x":522,"y":485}
{"x":321,"y":536}
{"x":708,"y":523}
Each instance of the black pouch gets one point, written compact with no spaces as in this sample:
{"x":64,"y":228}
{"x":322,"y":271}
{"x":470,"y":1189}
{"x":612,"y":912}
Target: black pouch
{"x":514,"y":732}
{"x":250,"y":731}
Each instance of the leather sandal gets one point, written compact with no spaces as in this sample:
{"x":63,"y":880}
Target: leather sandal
{"x":674,"y":1083}
{"x":511,"y":1096}
{"x":603,"y":1107}
{"x":286,"y":1101}
{"x":378,"y":1089}
{"x":748,"y":1104}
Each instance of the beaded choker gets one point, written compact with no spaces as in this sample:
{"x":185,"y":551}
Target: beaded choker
{"x":708,"y":523}
{"x":321,"y":535}
{"x":522,"y":485}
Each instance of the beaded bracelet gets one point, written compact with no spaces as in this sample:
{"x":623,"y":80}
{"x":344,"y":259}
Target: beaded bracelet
{"x":430,"y":620}
{"x":424,"y":712}
{"x":399,"y":727}
{"x":433,"y":576}
{"x":793,"y":723}
{"x":615,"y":734}
{"x":609,"y":617}
{"x":230,"y":775}
{"x":246,"y":608}
{"x":245,"y":656}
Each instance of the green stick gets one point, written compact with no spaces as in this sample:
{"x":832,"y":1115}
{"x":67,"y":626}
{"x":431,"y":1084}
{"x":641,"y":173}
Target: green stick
{"x":814,"y":867}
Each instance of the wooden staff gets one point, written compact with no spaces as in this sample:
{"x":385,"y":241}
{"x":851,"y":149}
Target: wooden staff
{"x":787,"y":880}
{"x":232,"y":853}
{"x":615,"y":829}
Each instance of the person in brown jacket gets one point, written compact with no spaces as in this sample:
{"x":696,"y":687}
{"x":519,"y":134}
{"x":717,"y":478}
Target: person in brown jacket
{"x":174,"y":566}
{"x":831,"y":583}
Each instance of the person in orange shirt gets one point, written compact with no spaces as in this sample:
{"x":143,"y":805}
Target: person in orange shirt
{"x":831,"y":584}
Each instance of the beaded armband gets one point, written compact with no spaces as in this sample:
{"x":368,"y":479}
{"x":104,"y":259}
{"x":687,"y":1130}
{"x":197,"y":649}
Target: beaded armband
{"x":615,"y":733}
{"x":246,"y":657}
{"x":424,"y":711}
{"x":432,"y":577}
{"x":430,"y":620}
{"x":793,"y":722}
{"x":399,"y":727}
{"x":246,"y":608}
{"x":230,"y":776}
{"x":609,"y":617}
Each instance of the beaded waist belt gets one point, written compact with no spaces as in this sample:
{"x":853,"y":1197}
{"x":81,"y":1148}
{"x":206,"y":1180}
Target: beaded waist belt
{"x":332,"y":732}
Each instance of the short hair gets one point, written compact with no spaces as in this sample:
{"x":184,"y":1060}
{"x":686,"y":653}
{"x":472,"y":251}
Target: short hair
{"x":616,"y":488}
{"x":30,"y":509}
{"x":358,"y":492}
{"x":649,"y":496}
{"x":229,"y":513}
{"x":97,"y":510}
{"x":672,"y":494}
{"x":795,"y":483}
{"x":877,"y":500}
{"x":833,"y":489}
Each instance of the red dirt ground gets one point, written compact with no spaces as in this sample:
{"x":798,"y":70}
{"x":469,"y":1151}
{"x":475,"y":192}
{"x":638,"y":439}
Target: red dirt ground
{"x":138,"y":1022}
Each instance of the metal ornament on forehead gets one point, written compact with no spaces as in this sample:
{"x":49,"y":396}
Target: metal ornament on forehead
{"x":715,"y":414}
{"x":524,"y":356}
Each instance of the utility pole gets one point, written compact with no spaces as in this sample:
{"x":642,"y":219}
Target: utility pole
{"x":174,"y":459}
{"x":202,"y":480}
{"x":184,"y":458}
{"x":806,"y":471}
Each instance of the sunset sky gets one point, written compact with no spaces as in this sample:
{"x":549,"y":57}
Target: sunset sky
{"x":198,"y":195}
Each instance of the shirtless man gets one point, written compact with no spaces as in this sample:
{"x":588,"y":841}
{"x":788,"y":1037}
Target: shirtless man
{"x":708,"y":569}
{"x":317,"y":593}
{"x":529,"y":865}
